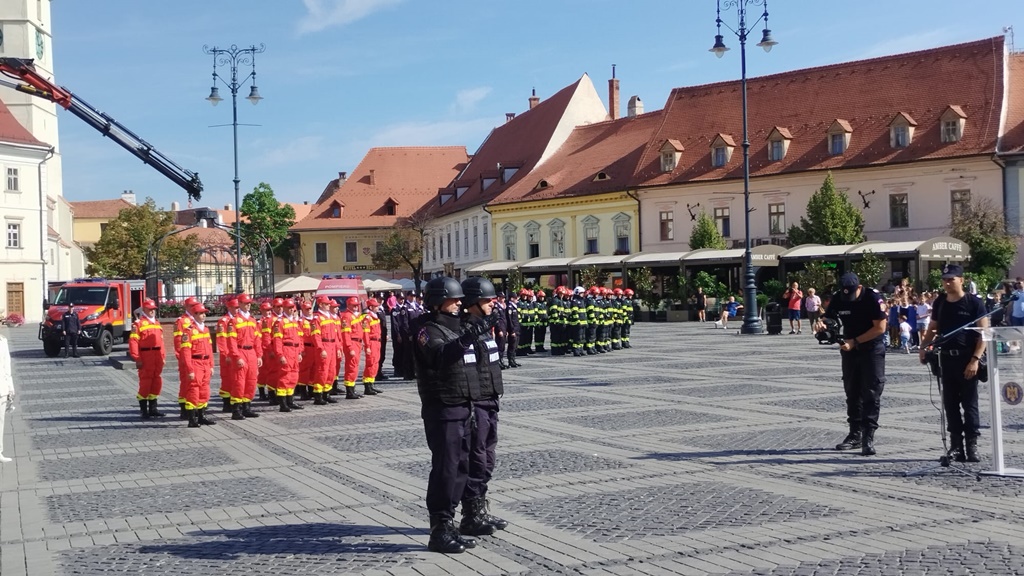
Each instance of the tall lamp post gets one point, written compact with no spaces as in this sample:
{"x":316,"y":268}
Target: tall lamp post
{"x":751,"y":318}
{"x":233,"y":57}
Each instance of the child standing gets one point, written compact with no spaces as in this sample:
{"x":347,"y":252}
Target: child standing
{"x":905,"y":331}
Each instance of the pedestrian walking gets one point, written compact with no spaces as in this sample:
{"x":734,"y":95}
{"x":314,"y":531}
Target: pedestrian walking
{"x":812,"y":305}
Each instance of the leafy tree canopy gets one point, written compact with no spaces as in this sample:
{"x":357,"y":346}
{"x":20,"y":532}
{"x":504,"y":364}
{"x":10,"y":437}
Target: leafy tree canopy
{"x":121,"y":250}
{"x":264,"y":217}
{"x":831,"y":219}
{"x":982,"y":226}
{"x":705,"y":234}
{"x":869,"y":269}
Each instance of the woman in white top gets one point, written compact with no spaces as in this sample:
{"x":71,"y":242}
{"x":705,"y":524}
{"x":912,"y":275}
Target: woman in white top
{"x":924,"y":313}
{"x":6,"y":390}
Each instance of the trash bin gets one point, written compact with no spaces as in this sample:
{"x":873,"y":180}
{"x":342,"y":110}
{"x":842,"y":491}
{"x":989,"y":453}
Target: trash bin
{"x":773,"y":312}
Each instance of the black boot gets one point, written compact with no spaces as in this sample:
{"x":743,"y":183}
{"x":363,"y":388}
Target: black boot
{"x":292,"y":404}
{"x":327,"y":398}
{"x":350,"y":393}
{"x":368,"y":390}
{"x":190,"y":415}
{"x":444,"y":537}
{"x":236,"y":412}
{"x":263,"y":393}
{"x":283,"y":404}
{"x":153,"y":412}
{"x":144,"y":408}
{"x":373,"y":386}
{"x":473,"y":521}
{"x":247,"y":411}
{"x":318,"y":399}
{"x":203,"y":419}
{"x":274,"y":399}
{"x":334,"y":389}
{"x":972,"y":449}
{"x":226,"y":408}
{"x":851,"y":442}
{"x":305,"y":393}
{"x":184,"y":412}
{"x":498,"y":523}
{"x":867,"y":447}
{"x":956,"y":448}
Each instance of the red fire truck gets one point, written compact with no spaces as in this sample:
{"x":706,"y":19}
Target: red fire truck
{"x":104,"y":308}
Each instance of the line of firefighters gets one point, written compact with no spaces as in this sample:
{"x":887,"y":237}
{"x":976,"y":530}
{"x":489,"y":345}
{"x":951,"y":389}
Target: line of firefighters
{"x":290,"y":346}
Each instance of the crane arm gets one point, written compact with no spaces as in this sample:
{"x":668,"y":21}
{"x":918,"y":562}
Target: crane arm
{"x":30,"y":82}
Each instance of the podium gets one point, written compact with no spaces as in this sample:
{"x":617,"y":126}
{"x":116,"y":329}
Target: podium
{"x":1004,"y":385}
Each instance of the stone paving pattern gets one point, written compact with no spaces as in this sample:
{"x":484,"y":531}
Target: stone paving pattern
{"x":663,"y":459}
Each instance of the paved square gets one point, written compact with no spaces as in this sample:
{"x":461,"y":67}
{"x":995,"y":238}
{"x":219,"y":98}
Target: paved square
{"x":697,"y":452}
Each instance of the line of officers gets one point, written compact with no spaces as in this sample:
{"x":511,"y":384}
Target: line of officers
{"x":309,"y":347}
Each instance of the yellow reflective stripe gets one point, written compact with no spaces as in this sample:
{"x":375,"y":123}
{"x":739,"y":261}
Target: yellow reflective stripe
{"x":346,"y":329}
{"x":134,"y":336}
{"x":186,"y":344}
{"x":178,"y":333}
{"x":149,"y":327}
{"x":278,"y":335}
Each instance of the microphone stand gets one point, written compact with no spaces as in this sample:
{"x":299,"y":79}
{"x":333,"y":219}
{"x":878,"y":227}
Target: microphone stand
{"x":946,"y":463}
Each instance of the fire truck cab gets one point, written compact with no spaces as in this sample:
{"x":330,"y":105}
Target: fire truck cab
{"x":104,"y":308}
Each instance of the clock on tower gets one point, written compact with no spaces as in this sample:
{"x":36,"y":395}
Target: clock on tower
{"x":40,"y":45}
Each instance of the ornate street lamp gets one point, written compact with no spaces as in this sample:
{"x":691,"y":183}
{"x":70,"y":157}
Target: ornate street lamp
{"x":233,"y":57}
{"x":751,"y":318}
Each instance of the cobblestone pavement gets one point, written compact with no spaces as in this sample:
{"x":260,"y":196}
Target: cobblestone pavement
{"x":698,"y":452}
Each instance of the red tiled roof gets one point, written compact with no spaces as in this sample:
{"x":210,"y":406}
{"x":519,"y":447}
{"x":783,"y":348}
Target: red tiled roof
{"x":611,"y":147}
{"x":868,"y":94}
{"x":99,"y":208}
{"x":409,"y":176}
{"x":12,"y":131}
{"x":519,"y":143}
{"x":208,"y":236}
{"x":1013,"y":137}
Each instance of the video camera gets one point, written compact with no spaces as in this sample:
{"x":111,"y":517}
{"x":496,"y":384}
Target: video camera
{"x":831,"y":334}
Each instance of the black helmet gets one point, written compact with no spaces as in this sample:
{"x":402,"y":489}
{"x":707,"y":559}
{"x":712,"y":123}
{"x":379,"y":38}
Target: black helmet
{"x":476,"y":288}
{"x":441,"y":289}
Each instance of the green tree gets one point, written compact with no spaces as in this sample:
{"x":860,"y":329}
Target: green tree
{"x":643,"y":282}
{"x":982,"y":226}
{"x":121,"y":250}
{"x":400,"y":250}
{"x":593,"y":276}
{"x":869,"y":269}
{"x":266,"y":219}
{"x":831,"y":219}
{"x":705,"y":234}
{"x":712,"y":287}
{"x":817,"y":275}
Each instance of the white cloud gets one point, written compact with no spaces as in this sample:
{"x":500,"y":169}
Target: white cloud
{"x":466,"y":100}
{"x":323,"y":14}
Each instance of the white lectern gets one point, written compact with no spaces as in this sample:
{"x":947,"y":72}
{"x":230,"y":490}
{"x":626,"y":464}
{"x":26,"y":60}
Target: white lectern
{"x":993,"y":338}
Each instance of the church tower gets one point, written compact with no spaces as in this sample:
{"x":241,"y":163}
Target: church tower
{"x":26,"y":32}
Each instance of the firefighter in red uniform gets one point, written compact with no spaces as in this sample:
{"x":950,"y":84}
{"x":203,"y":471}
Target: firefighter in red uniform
{"x":227,"y":348}
{"x":271,"y":362}
{"x":287,"y":345}
{"x":146,"y":347}
{"x":266,"y":326}
{"x":327,"y":361}
{"x":311,"y":346}
{"x":352,"y":340}
{"x":249,"y":347}
{"x":196,"y":359}
{"x":371,"y":335}
{"x":182,"y":324}
{"x":339,"y":347}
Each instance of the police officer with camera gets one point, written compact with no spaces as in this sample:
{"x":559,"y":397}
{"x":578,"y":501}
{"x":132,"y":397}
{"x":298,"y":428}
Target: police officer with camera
{"x":959,"y":360}
{"x":449,"y":384}
{"x":861,"y":312}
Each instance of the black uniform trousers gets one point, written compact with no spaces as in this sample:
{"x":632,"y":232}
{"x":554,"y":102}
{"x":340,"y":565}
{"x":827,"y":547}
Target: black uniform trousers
{"x":396,"y":355}
{"x":500,"y":340}
{"x":71,"y":343}
{"x":383,"y":344}
{"x":407,"y":363}
{"x":513,"y":344}
{"x":481,"y":447}
{"x":863,"y":381}
{"x":958,"y":392}
{"x":540,"y":331}
{"x":449,"y":432}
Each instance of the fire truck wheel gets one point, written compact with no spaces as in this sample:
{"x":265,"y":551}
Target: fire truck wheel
{"x":51,"y":348}
{"x":104,"y":344}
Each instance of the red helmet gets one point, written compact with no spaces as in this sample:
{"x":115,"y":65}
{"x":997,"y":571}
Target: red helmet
{"x":278,"y":302}
{"x":629,"y":292}
{"x":265,"y":307}
{"x":244,"y":299}
{"x":190,"y":302}
{"x":289,"y":304}
{"x":148,"y":304}
{"x":606,"y":291}
{"x":525,"y":293}
{"x":372,"y":302}
{"x":324,"y":301}
{"x":307,"y":305}
{"x":594,"y":291}
{"x":540,"y":294}
{"x":617,"y":291}
{"x":352,"y":303}
{"x":198,"y":308}
{"x":231,"y":302}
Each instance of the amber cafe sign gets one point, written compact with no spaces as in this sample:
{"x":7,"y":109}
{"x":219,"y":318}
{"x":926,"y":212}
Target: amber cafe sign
{"x":950,"y":246}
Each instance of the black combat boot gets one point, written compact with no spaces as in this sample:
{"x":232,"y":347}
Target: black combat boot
{"x":350,"y":393}
{"x":327,"y":398}
{"x":368,"y":390}
{"x":274,"y":399}
{"x":193,"y":419}
{"x":248,"y":412}
{"x":283,"y":404}
{"x":373,"y":385}
{"x":852,"y":440}
{"x":318,"y":399}
{"x":144,"y":408}
{"x":867,"y":447}
{"x":226,"y":408}
{"x":972,"y":449}
{"x":473,"y":521}
{"x":292,"y":404}
{"x":236,"y":412}
{"x":444,"y":537}
{"x":153,"y":412}
{"x":184,"y":412}
{"x":956,"y":448}
{"x":498,"y":523}
{"x":203,"y":419}
{"x":263,"y":393}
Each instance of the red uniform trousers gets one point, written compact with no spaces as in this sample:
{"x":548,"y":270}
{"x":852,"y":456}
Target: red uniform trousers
{"x":288,"y":373}
{"x":372,"y":360}
{"x":245,"y":376}
{"x":327,"y":368}
{"x":352,"y":355}
{"x":197,"y":392}
{"x":227,"y":377}
{"x":151,"y":381}
{"x":307,"y":367}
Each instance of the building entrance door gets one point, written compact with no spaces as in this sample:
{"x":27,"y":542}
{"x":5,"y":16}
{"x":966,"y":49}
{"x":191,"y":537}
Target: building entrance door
{"x":16,"y":298}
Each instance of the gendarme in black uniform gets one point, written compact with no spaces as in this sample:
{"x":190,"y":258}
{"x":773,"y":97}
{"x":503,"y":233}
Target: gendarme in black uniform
{"x":864,"y":365}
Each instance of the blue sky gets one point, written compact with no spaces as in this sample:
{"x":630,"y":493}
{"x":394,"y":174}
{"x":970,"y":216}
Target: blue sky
{"x":341,"y":76}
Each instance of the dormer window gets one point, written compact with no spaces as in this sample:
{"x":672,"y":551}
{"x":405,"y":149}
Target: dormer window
{"x":601,"y":176}
{"x":778,"y":143}
{"x":952,"y":122}
{"x":390,"y":207}
{"x":901,"y":130}
{"x":485,"y":183}
{"x":444,"y":198}
{"x":721,"y":150}
{"x":839,"y":134}
{"x":507,"y":174}
{"x":541,"y":185}
{"x":336,"y":209}
{"x":671,"y":150}
{"x":460,"y":190}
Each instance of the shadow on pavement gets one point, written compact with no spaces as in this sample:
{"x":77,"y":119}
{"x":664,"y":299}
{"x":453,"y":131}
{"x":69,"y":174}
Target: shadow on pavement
{"x":319,"y":539}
